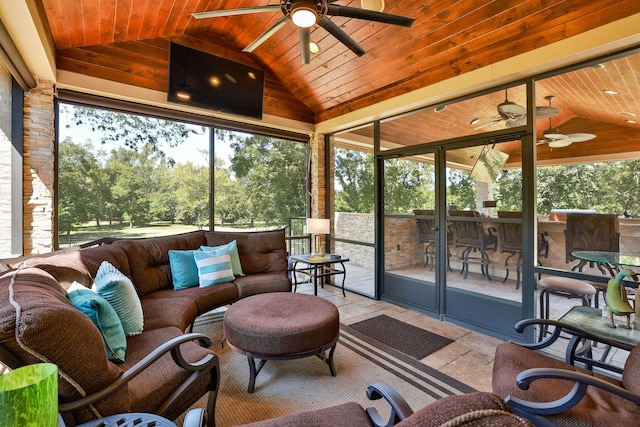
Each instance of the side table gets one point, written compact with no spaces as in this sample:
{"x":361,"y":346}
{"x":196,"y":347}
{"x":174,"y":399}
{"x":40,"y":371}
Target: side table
{"x":319,"y":267}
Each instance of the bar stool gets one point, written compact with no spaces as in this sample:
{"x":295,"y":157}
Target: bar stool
{"x":562,"y":286}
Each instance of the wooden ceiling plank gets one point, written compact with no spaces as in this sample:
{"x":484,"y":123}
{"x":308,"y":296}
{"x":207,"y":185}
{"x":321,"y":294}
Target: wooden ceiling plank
{"x":54,"y":10}
{"x":129,"y":18}
{"x":91,"y":22}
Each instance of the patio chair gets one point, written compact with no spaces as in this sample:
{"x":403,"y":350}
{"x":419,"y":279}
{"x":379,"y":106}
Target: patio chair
{"x":427,"y":235}
{"x":550,"y":392}
{"x":510,"y":237}
{"x":472,"y":236}
{"x":591,"y":232}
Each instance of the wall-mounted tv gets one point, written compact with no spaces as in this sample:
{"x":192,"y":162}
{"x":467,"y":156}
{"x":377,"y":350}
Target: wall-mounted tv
{"x":208,"y":81}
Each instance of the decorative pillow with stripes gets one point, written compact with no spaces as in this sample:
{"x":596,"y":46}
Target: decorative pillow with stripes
{"x":213,"y":268}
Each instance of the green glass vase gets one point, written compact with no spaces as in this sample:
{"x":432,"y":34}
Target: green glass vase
{"x":29,"y":396}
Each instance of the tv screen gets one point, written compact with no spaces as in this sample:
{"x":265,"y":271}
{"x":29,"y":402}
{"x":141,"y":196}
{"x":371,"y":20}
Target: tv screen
{"x":489,"y":165}
{"x":204,"y":80}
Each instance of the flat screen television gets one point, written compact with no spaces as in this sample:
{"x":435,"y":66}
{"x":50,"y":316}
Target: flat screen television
{"x":489,"y":165}
{"x":208,"y":81}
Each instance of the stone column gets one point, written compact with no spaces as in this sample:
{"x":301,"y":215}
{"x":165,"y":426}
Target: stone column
{"x":39,"y":175}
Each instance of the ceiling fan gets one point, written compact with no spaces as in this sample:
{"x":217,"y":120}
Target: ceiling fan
{"x":514,"y":115}
{"x":305,"y":14}
{"x":555,"y":139}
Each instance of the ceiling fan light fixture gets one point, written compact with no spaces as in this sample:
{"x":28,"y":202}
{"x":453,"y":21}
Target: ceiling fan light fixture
{"x":375,"y":5}
{"x":314,"y":47}
{"x":304,"y":14}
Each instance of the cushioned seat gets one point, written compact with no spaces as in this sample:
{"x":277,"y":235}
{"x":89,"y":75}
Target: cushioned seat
{"x":563,"y":286}
{"x":282,"y":326}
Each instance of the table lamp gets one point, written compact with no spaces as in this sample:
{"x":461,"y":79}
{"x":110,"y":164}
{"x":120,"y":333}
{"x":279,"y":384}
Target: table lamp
{"x":318,"y":227}
{"x":29,"y":396}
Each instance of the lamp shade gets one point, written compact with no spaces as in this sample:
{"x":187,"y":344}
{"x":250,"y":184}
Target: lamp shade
{"x":318,"y":226}
{"x":29,"y":396}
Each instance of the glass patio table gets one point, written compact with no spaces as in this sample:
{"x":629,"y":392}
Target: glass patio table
{"x":611,"y":260}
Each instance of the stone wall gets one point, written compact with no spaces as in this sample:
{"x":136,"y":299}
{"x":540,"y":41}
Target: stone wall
{"x":5,"y":164}
{"x":39,"y":174}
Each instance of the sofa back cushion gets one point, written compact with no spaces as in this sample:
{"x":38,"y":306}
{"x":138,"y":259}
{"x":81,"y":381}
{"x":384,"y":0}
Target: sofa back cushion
{"x":39,"y":324}
{"x":82,"y":265}
{"x":148,"y":259}
{"x":260,"y":252}
{"x":631,"y":371}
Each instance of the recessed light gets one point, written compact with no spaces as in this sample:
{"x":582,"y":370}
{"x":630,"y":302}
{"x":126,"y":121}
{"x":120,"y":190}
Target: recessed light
{"x":631,"y":121}
{"x":611,"y":92}
{"x":439,"y":108}
{"x":230,"y":78}
{"x":474,"y":122}
{"x":251,"y":75}
{"x":627,"y":113}
{"x":598,"y":66}
{"x":214,"y":81}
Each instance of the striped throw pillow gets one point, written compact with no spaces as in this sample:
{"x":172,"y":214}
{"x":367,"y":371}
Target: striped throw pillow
{"x":213,"y":268}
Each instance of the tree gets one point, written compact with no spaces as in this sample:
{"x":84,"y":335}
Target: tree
{"x":132,"y":131}
{"x":80,"y":191}
{"x":272,"y":173}
{"x":354,"y":181}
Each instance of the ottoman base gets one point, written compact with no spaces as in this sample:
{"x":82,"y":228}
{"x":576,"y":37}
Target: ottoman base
{"x":254,"y":369}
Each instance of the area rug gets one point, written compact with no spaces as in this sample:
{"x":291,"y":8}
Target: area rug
{"x":292,"y":386}
{"x":406,"y":338}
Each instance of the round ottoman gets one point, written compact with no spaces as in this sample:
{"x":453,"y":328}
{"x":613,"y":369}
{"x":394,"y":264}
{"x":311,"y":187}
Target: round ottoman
{"x":281,"y":325}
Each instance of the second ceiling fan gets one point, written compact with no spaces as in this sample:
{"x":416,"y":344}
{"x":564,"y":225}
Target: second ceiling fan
{"x":554,"y":139}
{"x":305,"y":14}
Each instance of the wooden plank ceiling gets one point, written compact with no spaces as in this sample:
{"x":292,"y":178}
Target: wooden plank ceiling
{"x":127,"y":41}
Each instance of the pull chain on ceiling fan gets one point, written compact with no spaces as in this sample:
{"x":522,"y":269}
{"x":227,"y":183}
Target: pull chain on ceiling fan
{"x":555,"y":139}
{"x":305,"y":14}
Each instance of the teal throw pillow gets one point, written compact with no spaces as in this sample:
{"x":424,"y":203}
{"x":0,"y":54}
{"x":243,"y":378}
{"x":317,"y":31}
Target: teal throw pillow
{"x":230,"y":248}
{"x":184,"y":271}
{"x":117,"y":288}
{"x":213,"y":268}
{"x":103,"y":316}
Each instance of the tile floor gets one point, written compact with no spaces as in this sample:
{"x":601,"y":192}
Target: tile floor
{"x":469,"y":359}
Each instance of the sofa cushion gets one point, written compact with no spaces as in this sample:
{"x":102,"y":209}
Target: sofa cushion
{"x":117,"y":288}
{"x":230,"y":248}
{"x":603,"y":407}
{"x":472,"y":409}
{"x":213,"y":268}
{"x":184,"y":271}
{"x":81,"y":266}
{"x":149,"y":259}
{"x":260,"y":252}
{"x":203,"y":299}
{"x":345,"y":415}
{"x":30,"y":329}
{"x":104,"y":316}
{"x":253,"y":284}
{"x":163,"y":377}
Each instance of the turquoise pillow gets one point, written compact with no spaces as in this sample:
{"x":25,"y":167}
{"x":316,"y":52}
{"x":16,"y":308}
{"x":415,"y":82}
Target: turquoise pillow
{"x":117,"y":288}
{"x":213,"y":268}
{"x":103,"y":316}
{"x":230,"y":248}
{"x":184,"y":271}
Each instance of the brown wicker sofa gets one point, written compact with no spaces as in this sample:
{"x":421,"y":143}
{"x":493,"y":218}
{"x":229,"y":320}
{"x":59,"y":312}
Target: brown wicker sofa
{"x":166,"y":370}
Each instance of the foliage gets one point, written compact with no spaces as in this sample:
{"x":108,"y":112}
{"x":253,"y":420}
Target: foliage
{"x":132,"y":131}
{"x":272,"y":174}
{"x":354,"y":181}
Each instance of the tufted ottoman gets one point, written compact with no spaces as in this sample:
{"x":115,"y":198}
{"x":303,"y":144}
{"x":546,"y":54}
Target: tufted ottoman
{"x":279,"y":326}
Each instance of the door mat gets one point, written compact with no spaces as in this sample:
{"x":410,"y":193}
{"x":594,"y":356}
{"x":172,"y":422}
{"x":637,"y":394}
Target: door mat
{"x":408,"y":339}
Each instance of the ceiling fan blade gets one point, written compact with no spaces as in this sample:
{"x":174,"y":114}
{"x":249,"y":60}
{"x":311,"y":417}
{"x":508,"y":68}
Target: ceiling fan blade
{"x":369,"y":15}
{"x":515,"y":122}
{"x":264,"y":36}
{"x":239,"y":11}
{"x":305,"y":40}
{"x":487,"y":124}
{"x":343,"y":37}
{"x":580,"y":137}
{"x":544,"y":112}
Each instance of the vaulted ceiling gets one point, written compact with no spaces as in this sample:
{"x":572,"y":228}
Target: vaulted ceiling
{"x":127,"y":41}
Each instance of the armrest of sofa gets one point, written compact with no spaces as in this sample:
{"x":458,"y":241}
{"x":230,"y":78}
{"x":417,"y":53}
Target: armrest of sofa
{"x":582,"y":381}
{"x":206,"y":364}
{"x":400,"y":409}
